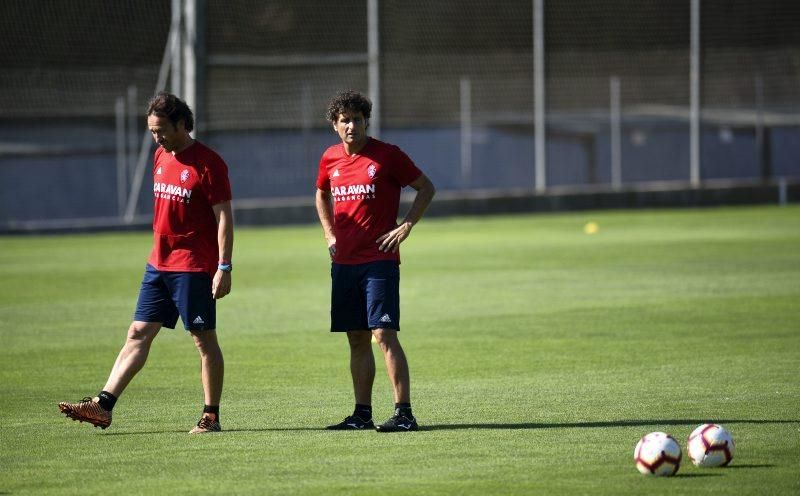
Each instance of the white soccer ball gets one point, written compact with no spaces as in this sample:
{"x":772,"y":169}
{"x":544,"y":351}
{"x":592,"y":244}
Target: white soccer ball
{"x":711,"y":445}
{"x":658,"y":453}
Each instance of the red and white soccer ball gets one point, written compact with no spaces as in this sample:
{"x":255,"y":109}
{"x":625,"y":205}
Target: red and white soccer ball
{"x":711,"y":445}
{"x":658,"y":453}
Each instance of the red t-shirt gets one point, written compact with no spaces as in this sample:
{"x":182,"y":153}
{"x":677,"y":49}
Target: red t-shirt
{"x":185,"y":187}
{"x":366,"y":197}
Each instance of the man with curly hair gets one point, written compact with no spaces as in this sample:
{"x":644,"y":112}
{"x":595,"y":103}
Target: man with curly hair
{"x":357,"y":200}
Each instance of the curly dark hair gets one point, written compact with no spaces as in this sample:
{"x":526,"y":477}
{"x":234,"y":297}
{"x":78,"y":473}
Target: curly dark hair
{"x":167,"y":105}
{"x":349,"y":101}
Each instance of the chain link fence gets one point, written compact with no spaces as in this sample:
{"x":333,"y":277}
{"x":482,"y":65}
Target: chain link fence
{"x":456,"y":91}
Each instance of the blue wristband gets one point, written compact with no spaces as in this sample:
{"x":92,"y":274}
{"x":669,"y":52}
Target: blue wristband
{"x":225,"y":267}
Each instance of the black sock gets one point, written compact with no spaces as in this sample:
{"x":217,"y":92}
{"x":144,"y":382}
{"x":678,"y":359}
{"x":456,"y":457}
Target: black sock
{"x":212,"y":409}
{"x":106,"y":400}
{"x":403,"y":409}
{"x":363,"y":411}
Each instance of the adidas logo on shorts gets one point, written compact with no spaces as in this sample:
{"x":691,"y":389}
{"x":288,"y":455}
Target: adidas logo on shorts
{"x":386,"y":318}
{"x":198,"y":320}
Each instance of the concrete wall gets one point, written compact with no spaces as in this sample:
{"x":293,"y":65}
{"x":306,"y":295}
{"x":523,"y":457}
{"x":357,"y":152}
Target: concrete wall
{"x":75,"y":175}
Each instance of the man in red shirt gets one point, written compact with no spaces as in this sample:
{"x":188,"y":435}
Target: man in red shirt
{"x":357,"y":199}
{"x":189,"y":267}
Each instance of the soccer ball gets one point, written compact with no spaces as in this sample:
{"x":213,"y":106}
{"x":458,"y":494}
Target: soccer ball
{"x":658,"y":453}
{"x":711,"y":445}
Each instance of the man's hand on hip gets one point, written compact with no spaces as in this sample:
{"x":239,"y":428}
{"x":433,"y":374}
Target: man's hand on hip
{"x":390,"y":242}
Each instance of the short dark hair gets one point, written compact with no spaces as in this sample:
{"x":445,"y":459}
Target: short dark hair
{"x":167,"y":105}
{"x":349,"y":101}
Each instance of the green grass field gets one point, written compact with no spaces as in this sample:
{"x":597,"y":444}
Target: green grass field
{"x":539,"y":355}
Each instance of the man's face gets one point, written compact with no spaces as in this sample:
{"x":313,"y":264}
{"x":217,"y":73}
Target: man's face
{"x":351,"y":127}
{"x":171,"y":137}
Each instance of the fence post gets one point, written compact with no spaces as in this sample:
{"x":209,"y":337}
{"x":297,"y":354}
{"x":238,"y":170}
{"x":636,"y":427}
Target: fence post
{"x":465,"y":92}
{"x":176,"y":66}
{"x":146,"y":143}
{"x":133,"y":127}
{"x":539,"y":96}
{"x":763,"y":148}
{"x":615,"y":113}
{"x":122,"y":155}
{"x":694,"y":96}
{"x":373,"y":66}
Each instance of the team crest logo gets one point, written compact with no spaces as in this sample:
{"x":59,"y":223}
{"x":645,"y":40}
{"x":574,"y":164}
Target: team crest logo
{"x":184,"y":175}
{"x":371,"y":170}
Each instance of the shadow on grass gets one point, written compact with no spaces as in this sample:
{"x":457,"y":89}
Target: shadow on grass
{"x":748,"y":465}
{"x":265,"y":429}
{"x":612,"y":423}
{"x":135,"y":433}
{"x":531,"y":425}
{"x":281,"y":429}
{"x":684,"y":476}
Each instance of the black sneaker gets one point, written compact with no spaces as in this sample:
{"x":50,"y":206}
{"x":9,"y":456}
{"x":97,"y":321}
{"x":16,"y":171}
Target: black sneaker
{"x":352,"y":423}
{"x":399,"y":423}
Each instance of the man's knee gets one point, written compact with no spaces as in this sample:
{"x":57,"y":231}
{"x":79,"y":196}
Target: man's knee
{"x":143,"y":331}
{"x":206,"y":342}
{"x":359,"y":340}
{"x":386,"y":338}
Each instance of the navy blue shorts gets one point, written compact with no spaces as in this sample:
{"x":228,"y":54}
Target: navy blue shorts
{"x":365,"y":296}
{"x":165,"y":295}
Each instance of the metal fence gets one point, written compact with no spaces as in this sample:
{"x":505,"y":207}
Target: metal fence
{"x":514,"y":95}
